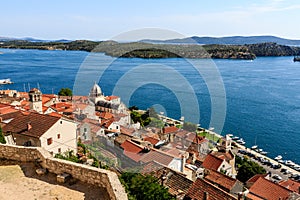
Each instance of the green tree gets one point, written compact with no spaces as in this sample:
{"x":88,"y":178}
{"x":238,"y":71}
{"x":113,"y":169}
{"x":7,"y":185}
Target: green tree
{"x":2,"y":139}
{"x":247,"y":169}
{"x":65,"y":92}
{"x":140,"y":187}
{"x":188,"y":126}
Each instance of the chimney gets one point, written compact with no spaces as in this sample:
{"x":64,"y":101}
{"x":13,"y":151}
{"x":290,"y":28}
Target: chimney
{"x":29,"y":126}
{"x":183,"y":161}
{"x":206,"y":196}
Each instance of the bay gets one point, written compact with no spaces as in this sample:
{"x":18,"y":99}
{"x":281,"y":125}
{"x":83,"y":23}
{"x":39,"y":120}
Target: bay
{"x":262,"y":96}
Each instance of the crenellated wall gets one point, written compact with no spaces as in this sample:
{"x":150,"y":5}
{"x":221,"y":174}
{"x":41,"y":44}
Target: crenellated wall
{"x":91,"y":175}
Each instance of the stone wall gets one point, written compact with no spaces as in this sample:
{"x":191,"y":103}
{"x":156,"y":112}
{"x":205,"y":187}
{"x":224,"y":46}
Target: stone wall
{"x":91,"y":175}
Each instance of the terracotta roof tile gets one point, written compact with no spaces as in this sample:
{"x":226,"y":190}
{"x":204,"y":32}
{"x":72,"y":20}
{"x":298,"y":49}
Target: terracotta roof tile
{"x":170,"y":129}
{"x":132,"y":150}
{"x":223,"y":181}
{"x":152,"y":140}
{"x":212,"y":162}
{"x":291,"y":185}
{"x":157,"y":156}
{"x":106,"y":115}
{"x":39,"y":123}
{"x":109,"y":98}
{"x":126,"y":131}
{"x":269,"y":190}
{"x":202,"y":188}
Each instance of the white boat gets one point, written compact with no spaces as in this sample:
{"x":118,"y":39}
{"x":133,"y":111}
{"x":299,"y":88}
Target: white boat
{"x":241,"y":141}
{"x":263,"y":153}
{"x":279,"y":157}
{"x":235,"y":138}
{"x":254,"y":147}
{"x":5,"y":81}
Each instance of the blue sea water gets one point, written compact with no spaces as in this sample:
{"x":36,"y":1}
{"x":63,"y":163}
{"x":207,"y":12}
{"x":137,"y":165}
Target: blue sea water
{"x":262,"y":96}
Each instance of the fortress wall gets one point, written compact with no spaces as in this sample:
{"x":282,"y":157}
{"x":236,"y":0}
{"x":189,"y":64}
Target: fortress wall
{"x":95,"y":176}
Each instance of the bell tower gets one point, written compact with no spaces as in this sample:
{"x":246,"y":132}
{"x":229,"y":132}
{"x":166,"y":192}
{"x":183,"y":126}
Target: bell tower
{"x":35,"y":100}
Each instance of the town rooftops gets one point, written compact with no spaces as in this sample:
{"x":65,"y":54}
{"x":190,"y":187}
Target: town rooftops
{"x":32,"y":124}
{"x":202,"y":189}
{"x":109,"y":98}
{"x":132,"y":150}
{"x":170,"y":129}
{"x":157,"y":156}
{"x":268,"y":190}
{"x":212,"y":162}
{"x":291,"y":185}
{"x":223,"y":181}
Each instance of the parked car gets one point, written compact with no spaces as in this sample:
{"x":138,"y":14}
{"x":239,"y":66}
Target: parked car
{"x":277,"y":177}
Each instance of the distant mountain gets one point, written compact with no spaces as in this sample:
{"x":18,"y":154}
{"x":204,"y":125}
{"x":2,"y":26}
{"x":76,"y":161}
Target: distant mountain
{"x":233,"y":40}
{"x":30,"y":39}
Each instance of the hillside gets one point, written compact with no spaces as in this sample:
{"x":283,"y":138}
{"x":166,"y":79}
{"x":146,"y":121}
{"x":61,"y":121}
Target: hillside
{"x":232,"y":40}
{"x":148,"y":50}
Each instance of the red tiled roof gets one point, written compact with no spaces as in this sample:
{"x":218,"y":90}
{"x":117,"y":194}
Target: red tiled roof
{"x":109,"y":98}
{"x":255,"y":177}
{"x":126,"y":131}
{"x":40,"y":124}
{"x":152,"y":140}
{"x":224,"y":155}
{"x":176,"y":182}
{"x":157,"y":156}
{"x":269,"y":190}
{"x":170,"y":129}
{"x":107,"y":123}
{"x":132,"y":150}
{"x":212,"y":162}
{"x":223,"y":181}
{"x":105,"y":115}
{"x":291,"y":185}
{"x":202,"y":189}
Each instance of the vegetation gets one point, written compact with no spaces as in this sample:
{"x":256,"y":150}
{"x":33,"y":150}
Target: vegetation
{"x":148,"y":50}
{"x":209,"y":136}
{"x":140,"y":187}
{"x":150,"y":117}
{"x":247,"y":168}
{"x":188,"y":126}
{"x":65,"y":92}
{"x":81,"y":156}
{"x":2,"y":139}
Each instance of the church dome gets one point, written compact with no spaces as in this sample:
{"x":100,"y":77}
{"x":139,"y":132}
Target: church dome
{"x":96,"y":90}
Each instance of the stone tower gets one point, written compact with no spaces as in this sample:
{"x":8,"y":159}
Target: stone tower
{"x":35,"y":100}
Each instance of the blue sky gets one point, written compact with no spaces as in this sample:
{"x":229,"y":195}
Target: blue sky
{"x":101,"y":20}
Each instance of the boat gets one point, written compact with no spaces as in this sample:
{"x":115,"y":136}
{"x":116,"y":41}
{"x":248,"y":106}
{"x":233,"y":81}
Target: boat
{"x":296,"y":58}
{"x":279,"y":157}
{"x":5,"y":81}
{"x":254,"y":147}
{"x":263,"y":153}
{"x":241,"y":141}
{"x":235,"y":138}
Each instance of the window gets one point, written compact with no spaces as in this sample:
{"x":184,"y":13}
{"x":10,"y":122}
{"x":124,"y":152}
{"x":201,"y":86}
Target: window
{"x":58,"y":136}
{"x":59,"y":150}
{"x":49,"y":141}
{"x":117,"y":127}
{"x":60,"y":122}
{"x":85,"y":130}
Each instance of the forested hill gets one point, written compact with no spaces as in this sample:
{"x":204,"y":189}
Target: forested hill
{"x":147,"y":50}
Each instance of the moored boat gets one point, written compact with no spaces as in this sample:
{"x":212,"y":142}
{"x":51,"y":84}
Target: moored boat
{"x":296,"y":58}
{"x":5,"y":81}
{"x":254,"y":147}
{"x":279,"y":157}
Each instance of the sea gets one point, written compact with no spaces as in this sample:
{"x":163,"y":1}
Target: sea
{"x":257,"y":100}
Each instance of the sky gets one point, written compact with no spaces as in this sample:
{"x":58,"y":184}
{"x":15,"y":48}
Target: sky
{"x":103,"y":20}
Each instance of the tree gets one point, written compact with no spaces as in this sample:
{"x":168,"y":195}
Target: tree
{"x":65,"y":92}
{"x":188,"y":126}
{"x":2,"y":139}
{"x":140,"y":187}
{"x":247,"y":169}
